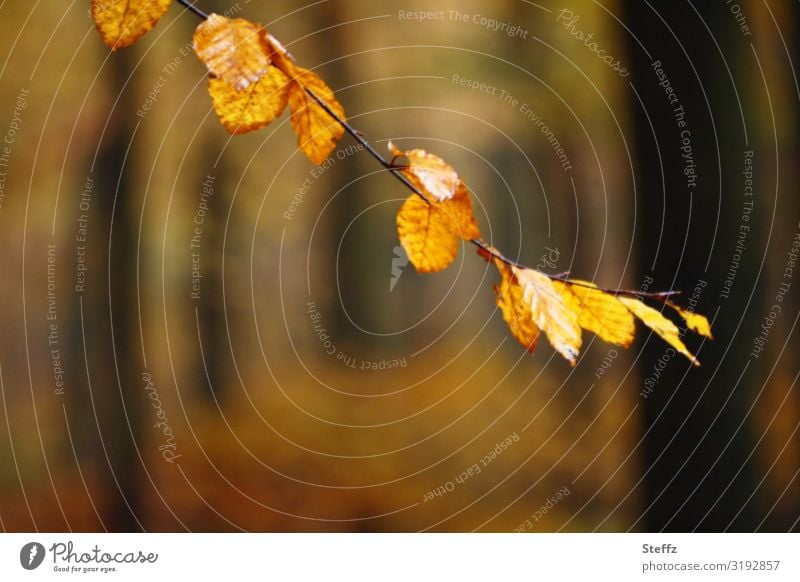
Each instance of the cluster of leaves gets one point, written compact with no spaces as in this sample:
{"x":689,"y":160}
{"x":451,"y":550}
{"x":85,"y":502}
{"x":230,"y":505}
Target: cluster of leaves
{"x":252,"y":79}
{"x":531,"y":302}
{"x":251,"y":76}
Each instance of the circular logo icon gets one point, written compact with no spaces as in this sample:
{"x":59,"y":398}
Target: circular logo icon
{"x":31,"y":555}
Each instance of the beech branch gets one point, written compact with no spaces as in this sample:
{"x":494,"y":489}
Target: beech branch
{"x":397,"y":172}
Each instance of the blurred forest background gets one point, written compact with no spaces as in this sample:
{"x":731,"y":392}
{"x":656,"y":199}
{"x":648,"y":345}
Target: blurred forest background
{"x":186,"y":315}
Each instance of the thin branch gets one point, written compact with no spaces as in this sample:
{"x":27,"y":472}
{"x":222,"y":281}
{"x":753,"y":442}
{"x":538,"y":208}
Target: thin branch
{"x":481,"y":244}
{"x":397,"y":173}
{"x":658,"y":295}
{"x":359,"y":137}
{"x":192,"y":8}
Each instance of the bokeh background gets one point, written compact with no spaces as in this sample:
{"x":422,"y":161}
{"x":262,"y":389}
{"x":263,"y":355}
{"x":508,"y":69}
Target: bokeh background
{"x":312,"y":381}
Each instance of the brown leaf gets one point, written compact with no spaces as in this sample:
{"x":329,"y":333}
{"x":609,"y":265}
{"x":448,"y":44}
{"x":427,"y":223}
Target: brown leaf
{"x":234,"y":50}
{"x":429,"y":173}
{"x":653,"y":319}
{"x":252,"y":108}
{"x":430,"y":233}
{"x":598,"y":311}
{"x":122,"y":22}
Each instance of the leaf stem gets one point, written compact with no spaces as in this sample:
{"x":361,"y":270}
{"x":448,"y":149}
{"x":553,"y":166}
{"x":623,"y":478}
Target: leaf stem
{"x":397,"y":173}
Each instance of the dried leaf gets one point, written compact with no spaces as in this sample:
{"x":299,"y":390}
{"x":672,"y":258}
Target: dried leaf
{"x":252,"y":108}
{"x":653,"y":319}
{"x":598,"y":311}
{"x":429,"y":173}
{"x":430,"y":233}
{"x":694,"y":321}
{"x":550,"y":312}
{"x":122,"y":22}
{"x":317,"y":132}
{"x":516,"y":311}
{"x":234,"y":50}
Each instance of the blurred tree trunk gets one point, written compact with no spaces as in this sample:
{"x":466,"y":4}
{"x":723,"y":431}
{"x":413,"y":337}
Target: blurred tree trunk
{"x":352,"y":260}
{"x":212,"y":372}
{"x":776,"y":415}
{"x":114,"y":369}
{"x":695,"y":449}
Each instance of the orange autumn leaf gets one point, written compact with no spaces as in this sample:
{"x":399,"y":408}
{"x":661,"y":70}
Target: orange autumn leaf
{"x":516,"y":311}
{"x":317,"y":132}
{"x":430,"y":233}
{"x":122,"y":22}
{"x":252,"y":108}
{"x":653,"y":319}
{"x":598,"y":311}
{"x":550,"y":312}
{"x":247,"y":93}
{"x":694,"y":321}
{"x":429,"y":173}
{"x":234,"y":50}
{"x":430,"y":229}
{"x":532,"y":301}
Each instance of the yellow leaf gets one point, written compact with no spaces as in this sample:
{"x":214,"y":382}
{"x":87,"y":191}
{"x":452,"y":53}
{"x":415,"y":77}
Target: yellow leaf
{"x":532,"y":302}
{"x":252,"y":108}
{"x":317,"y":132}
{"x":235,"y":51}
{"x":430,"y":233}
{"x":694,"y":321}
{"x":550,"y":312}
{"x":659,"y":324}
{"x":598,"y":312}
{"x":429,"y":173}
{"x":516,"y":311}
{"x":122,"y":22}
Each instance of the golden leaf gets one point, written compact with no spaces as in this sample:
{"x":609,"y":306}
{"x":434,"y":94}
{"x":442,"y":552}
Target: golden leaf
{"x":317,"y":132}
{"x":531,"y":301}
{"x":235,"y":51}
{"x":430,"y":233}
{"x":122,"y":22}
{"x":653,"y":319}
{"x":516,"y":311}
{"x":550,"y":312}
{"x":429,"y":173}
{"x":252,"y":108}
{"x":598,"y":311}
{"x":694,"y":321}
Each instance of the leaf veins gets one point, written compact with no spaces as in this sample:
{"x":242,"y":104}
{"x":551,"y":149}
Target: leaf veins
{"x":430,"y":232}
{"x":235,"y":51}
{"x":317,"y":132}
{"x":429,"y":173}
{"x":254,"y":107}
